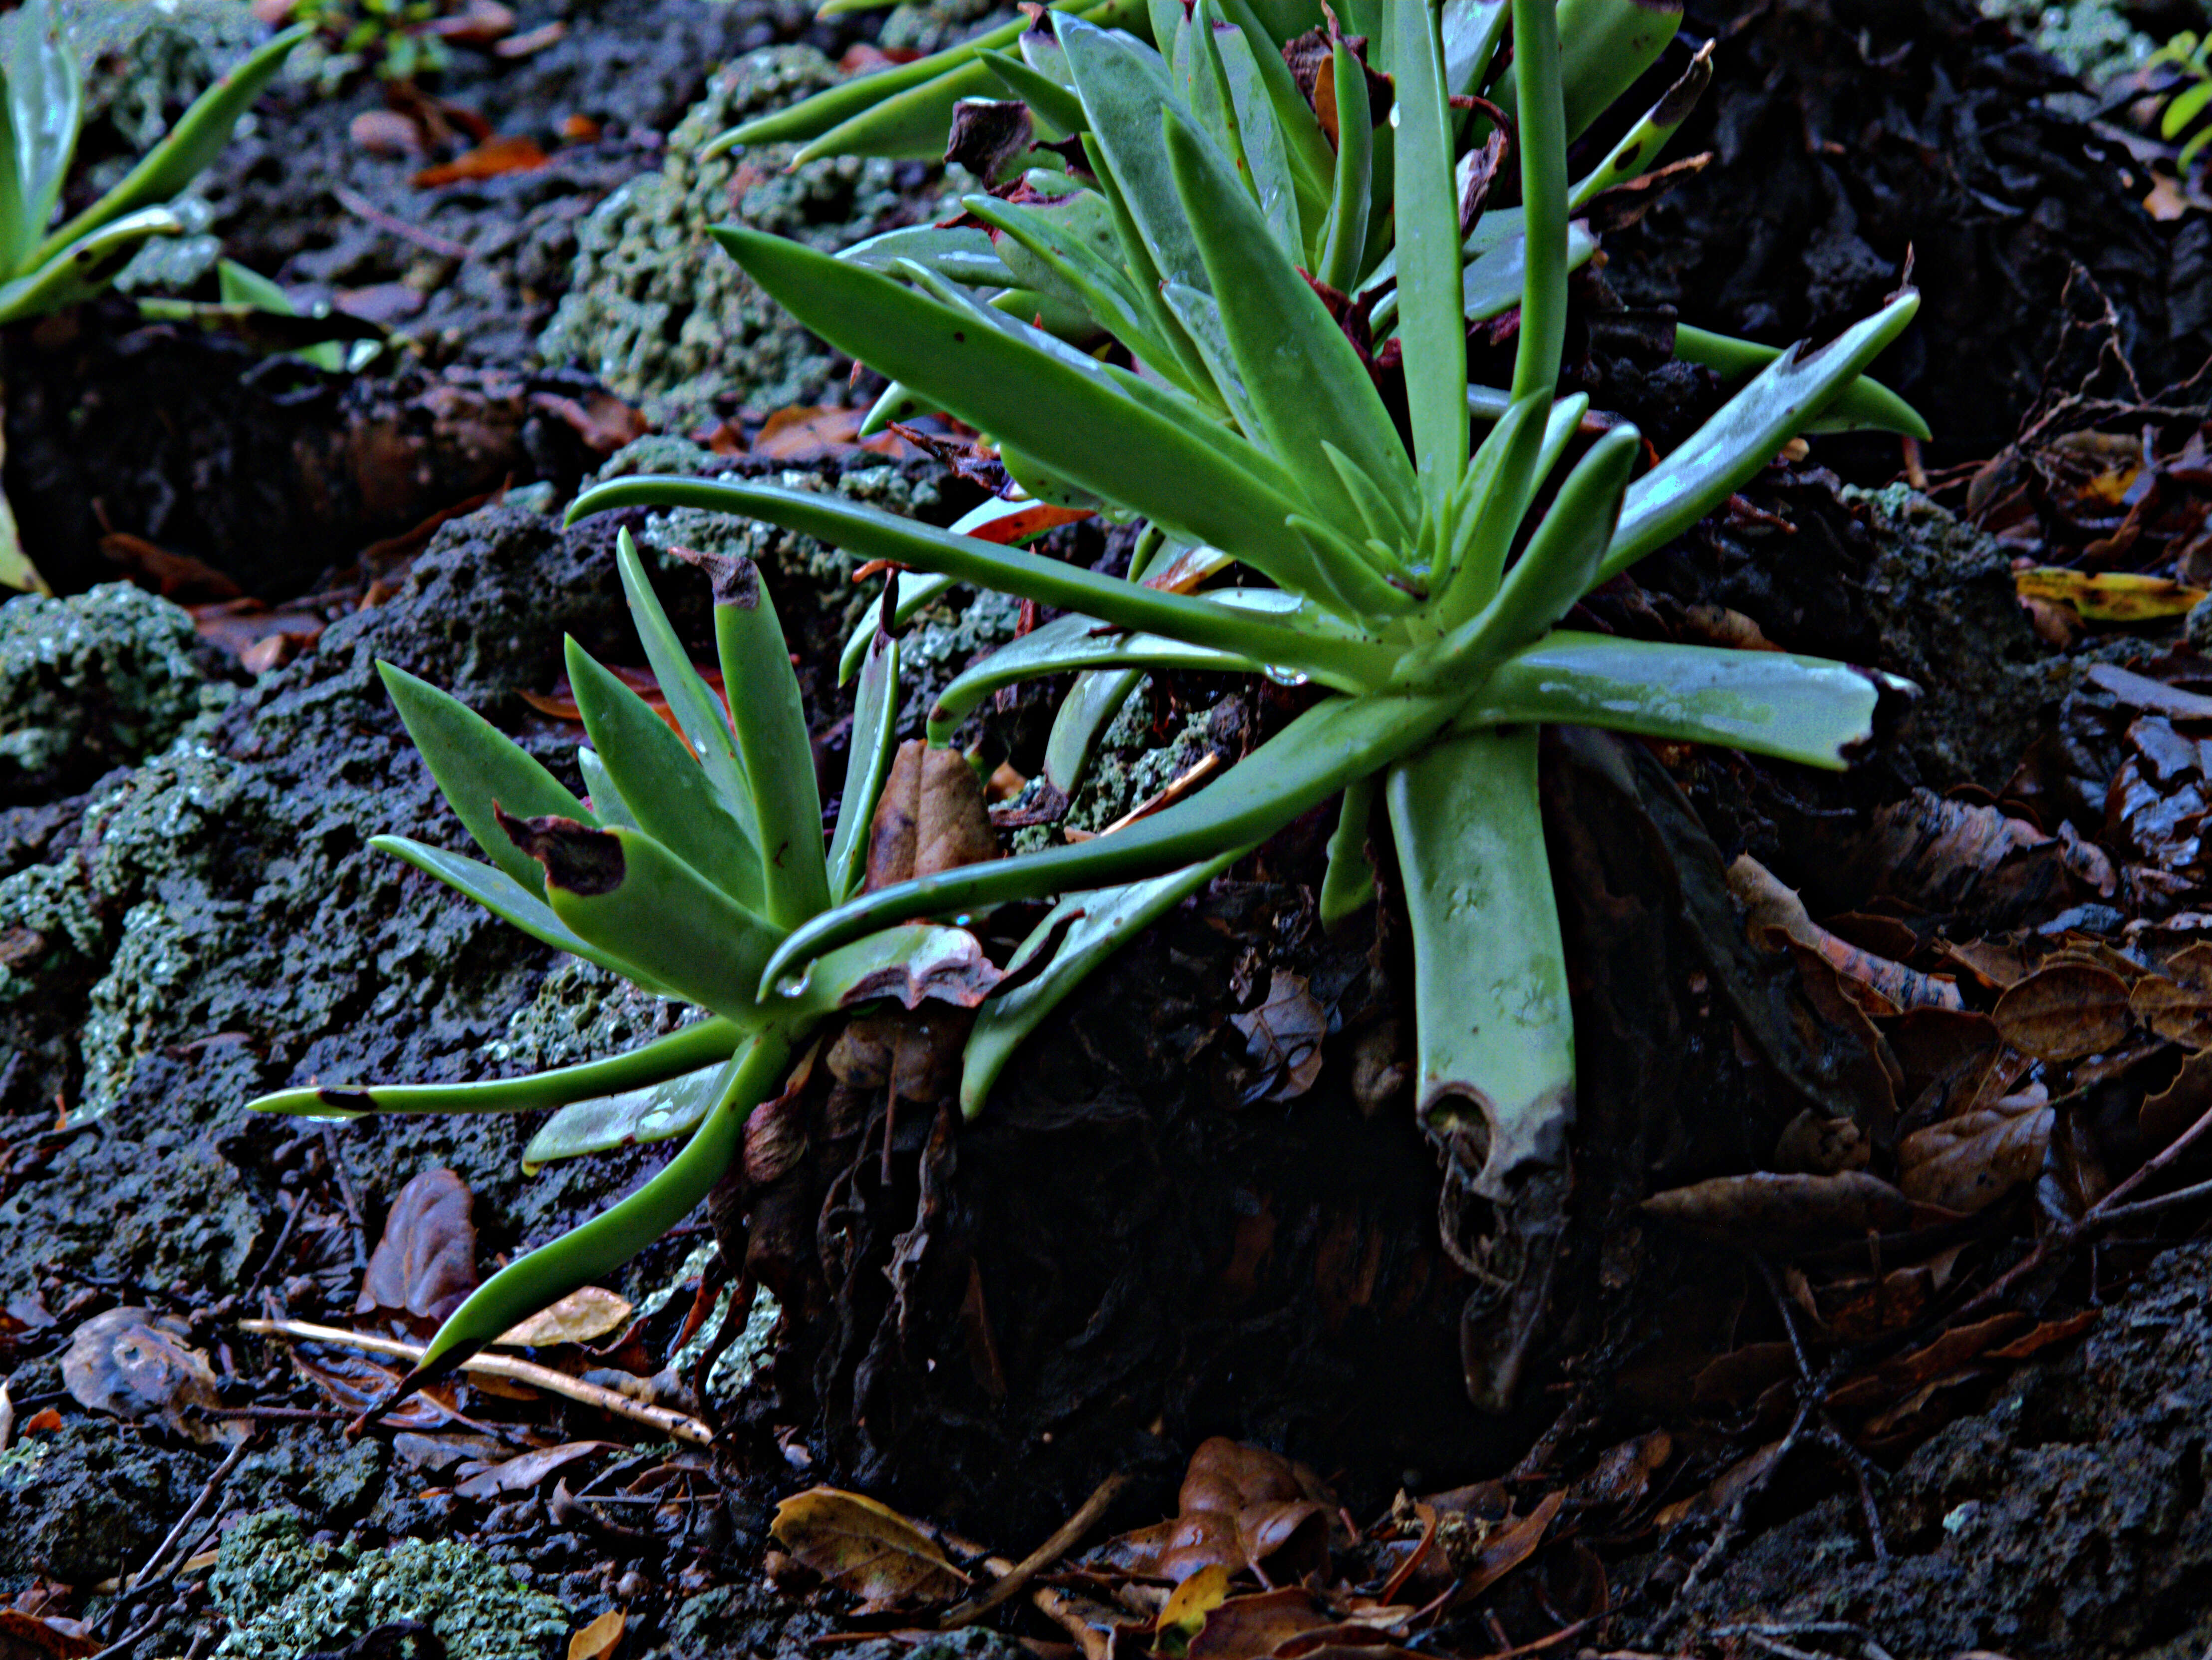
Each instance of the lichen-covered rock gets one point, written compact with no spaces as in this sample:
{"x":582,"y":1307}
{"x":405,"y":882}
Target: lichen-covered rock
{"x":146,"y":63}
{"x":660,"y":313}
{"x":283,"y":1594}
{"x":95,"y":681}
{"x":88,"y":1503}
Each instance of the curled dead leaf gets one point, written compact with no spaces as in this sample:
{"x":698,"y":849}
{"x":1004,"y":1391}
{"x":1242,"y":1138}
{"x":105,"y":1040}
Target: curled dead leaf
{"x":137,"y":1364}
{"x":1282,"y":1040}
{"x":1766,"y":1209}
{"x":601,"y":1638}
{"x":931,"y":817}
{"x":425,"y":1262}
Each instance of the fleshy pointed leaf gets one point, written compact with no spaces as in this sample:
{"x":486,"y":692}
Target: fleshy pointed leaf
{"x":703,"y":1043}
{"x":1747,"y":434}
{"x":1805,"y":709}
{"x":1080,"y":933}
{"x":200,"y":133}
{"x":1065,"y":644}
{"x":625,"y":893}
{"x":1430,"y":323}
{"x":663,"y":788}
{"x":655,"y":1112}
{"x":1863,"y":403}
{"x":46,"y":102}
{"x":587,"y":1253}
{"x":480,"y":770}
{"x":867,"y":762}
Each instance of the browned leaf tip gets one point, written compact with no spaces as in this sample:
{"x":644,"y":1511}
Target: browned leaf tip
{"x":736,"y":578}
{"x":577,"y":859}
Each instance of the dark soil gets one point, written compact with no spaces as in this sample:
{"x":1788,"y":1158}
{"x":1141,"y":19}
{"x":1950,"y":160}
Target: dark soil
{"x":1168,"y":1253}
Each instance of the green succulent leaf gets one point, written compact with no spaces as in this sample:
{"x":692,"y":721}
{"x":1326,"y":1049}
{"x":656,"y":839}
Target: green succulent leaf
{"x":1302,"y":765}
{"x":703,"y":1043}
{"x":82,"y":270}
{"x":867,"y":762}
{"x":704,"y":717}
{"x":1077,"y":935}
{"x":662,"y":787}
{"x":1052,"y":102}
{"x":603,"y":1244}
{"x":1304,"y":380}
{"x":873,"y":534}
{"x":200,"y":133}
{"x":1602,"y":46}
{"x":44,"y":104}
{"x":1806,"y":709}
{"x":511,"y":902}
{"x":770,"y":717}
{"x":633,"y":1116}
{"x":1542,"y":141}
{"x":480,"y":770}
{"x":1073,"y":643}
{"x":958,"y":254}
{"x":1348,"y":884}
{"x":1350,"y":190}
{"x":1080,"y":725}
{"x":1747,"y":434}
{"x":604,"y":799}
{"x":1863,"y":403}
{"x":1430,"y":325}
{"x":623,"y":893}
{"x":1641,"y":144}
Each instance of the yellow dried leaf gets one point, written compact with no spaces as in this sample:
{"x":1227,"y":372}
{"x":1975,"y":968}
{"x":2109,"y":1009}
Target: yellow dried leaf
{"x":599,"y":1639}
{"x":1196,"y":1597}
{"x":865,"y":1548}
{"x":2107,"y":596}
{"x":584,"y":1316}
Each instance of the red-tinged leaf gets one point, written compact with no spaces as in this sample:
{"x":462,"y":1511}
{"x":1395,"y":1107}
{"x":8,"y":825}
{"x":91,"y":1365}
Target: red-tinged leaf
{"x":808,"y":434}
{"x":2030,"y":1344}
{"x":1251,"y":1627}
{"x":1507,"y":1546}
{"x":560,"y":703}
{"x":865,"y":1549}
{"x":490,"y":160}
{"x":425,"y":1265}
{"x":528,"y":1473}
{"x":1897,"y":1378}
{"x":1032,"y":520}
{"x":27,"y":1637}
{"x":44,"y":1421}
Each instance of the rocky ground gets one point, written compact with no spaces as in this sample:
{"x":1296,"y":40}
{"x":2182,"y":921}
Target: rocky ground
{"x":190,"y":915}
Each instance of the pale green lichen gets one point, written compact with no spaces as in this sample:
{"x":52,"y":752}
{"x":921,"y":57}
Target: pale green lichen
{"x":282,"y":1593}
{"x":101,"y":678}
{"x":2094,"y":38}
{"x":658,"y":312}
{"x":581,"y":1012}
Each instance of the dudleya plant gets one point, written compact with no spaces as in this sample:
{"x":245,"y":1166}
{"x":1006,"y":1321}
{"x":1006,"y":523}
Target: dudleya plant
{"x":44,"y":267}
{"x":1415,"y":576}
{"x":694,"y":857}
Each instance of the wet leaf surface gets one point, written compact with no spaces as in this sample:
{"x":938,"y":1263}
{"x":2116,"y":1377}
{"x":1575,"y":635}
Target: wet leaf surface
{"x":866,"y":1549}
{"x":425,"y":1263}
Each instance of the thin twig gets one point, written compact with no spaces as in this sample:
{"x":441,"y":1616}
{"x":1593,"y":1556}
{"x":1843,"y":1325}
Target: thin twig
{"x":1062,"y":1541}
{"x":668,"y":1421}
{"x":361,"y":208}
{"x":140,"y":1580}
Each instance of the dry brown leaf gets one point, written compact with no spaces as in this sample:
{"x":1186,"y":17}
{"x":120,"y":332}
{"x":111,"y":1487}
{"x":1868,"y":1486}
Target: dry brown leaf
{"x":1283,"y":1040}
{"x":931,"y":817}
{"x":1771,"y":905}
{"x":2064,"y":1012}
{"x":1240,"y":1507}
{"x":525,"y":1473}
{"x":1768,"y":1209}
{"x":2182,"y":1014}
{"x":865,"y":1548}
{"x":585,"y":1313}
{"x":1970,"y":1162}
{"x":2107,"y":596}
{"x":2180,"y":1104}
{"x":1251,"y":1627}
{"x":599,"y":1639}
{"x":137,"y":1364}
{"x":425,"y":1264}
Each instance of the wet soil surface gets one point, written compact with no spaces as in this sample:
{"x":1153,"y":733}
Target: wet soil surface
{"x":1178,"y":1238}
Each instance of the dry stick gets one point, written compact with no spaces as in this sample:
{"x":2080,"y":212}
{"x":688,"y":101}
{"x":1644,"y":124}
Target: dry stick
{"x":666,"y":1420}
{"x":361,"y":208}
{"x":1012,"y":1581}
{"x":2104,"y":1213}
{"x":141,"y":1580}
